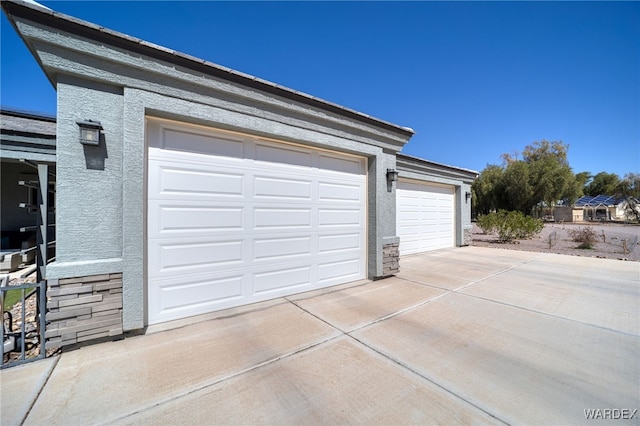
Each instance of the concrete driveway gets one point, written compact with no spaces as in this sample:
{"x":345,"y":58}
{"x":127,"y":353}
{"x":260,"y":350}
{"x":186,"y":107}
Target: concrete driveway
{"x":462,"y":336}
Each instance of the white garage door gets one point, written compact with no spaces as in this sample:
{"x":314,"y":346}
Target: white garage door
{"x":233,"y":220}
{"x":425,"y":217}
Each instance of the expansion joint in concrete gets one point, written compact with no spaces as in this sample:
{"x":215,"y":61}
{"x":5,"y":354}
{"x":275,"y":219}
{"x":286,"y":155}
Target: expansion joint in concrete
{"x":41,"y":388}
{"x":429,"y":379}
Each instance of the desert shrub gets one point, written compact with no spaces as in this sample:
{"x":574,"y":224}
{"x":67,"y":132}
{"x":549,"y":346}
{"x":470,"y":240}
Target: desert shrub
{"x":510,"y":226}
{"x":525,"y":227}
{"x":487,"y":222}
{"x":585,"y":236}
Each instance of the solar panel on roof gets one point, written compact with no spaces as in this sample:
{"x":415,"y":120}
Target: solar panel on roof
{"x":584,"y":200}
{"x":590,"y":201}
{"x":612,"y":200}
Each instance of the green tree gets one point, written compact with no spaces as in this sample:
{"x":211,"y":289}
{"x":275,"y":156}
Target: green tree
{"x":517,"y":192}
{"x":486,"y":189}
{"x":548,"y":174}
{"x":603,"y":183}
{"x":542,"y":174}
{"x":581,"y":179}
{"x":544,"y":149}
{"x":629,"y":186}
{"x":577,"y":189}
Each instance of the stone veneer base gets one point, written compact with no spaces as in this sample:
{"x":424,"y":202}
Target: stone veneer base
{"x":467,"y":237}
{"x":390,"y":259}
{"x":83,"y":308}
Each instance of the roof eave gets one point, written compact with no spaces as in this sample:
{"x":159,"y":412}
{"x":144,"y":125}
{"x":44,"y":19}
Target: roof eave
{"x":410,"y":162}
{"x":41,"y":15}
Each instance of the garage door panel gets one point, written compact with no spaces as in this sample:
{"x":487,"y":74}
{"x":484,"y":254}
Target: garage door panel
{"x":425,"y":217}
{"x":194,"y":256}
{"x":339,"y":217}
{"x":272,"y":187}
{"x":283,"y":155}
{"x":176,"y":298}
{"x":339,"y":192}
{"x":179,"y":180}
{"x":198,"y":143}
{"x":275,"y":249}
{"x":176,"y":181}
{"x":276,"y":220}
{"x":340,"y":164}
{"x":339,"y":242}
{"x":410,"y":203}
{"x":338,"y":271}
{"x":407,"y":216}
{"x":189,"y":219}
{"x":411,"y":246}
{"x":282,"y":281}
{"x":183,"y":295}
{"x":270,"y":218}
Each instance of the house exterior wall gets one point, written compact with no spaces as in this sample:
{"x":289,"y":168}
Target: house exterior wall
{"x":101,"y":209}
{"x":83,"y":308}
{"x":89,"y":190}
{"x":101,"y":199}
{"x":565,"y":214}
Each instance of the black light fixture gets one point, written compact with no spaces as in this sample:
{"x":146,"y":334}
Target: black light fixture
{"x":392,"y":175}
{"x":467,"y":196}
{"x":89,"y":132}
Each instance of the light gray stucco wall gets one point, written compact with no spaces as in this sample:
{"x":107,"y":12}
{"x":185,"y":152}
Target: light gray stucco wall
{"x":102,"y":190}
{"x":465,"y":214}
{"x":381,"y":212}
{"x":98,"y":235}
{"x":89,"y":181}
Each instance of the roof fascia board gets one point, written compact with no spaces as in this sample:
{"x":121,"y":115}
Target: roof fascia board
{"x":27,"y":127}
{"x":424,"y":167}
{"x":27,"y":114}
{"x":18,"y":11}
{"x":20,"y":152}
{"x":69,"y":55}
{"x":178,"y":84}
{"x":28,"y":138}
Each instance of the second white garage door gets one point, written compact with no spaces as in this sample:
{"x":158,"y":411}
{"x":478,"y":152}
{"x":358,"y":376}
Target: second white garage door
{"x":234,"y":219}
{"x":425,"y":217}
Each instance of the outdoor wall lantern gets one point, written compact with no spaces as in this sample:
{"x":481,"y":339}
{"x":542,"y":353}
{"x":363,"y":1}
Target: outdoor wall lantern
{"x":467,"y":196}
{"x":89,"y":132}
{"x":392,"y":175}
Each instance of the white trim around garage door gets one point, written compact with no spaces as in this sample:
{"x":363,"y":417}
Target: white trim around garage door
{"x":425,"y":216}
{"x":234,"y":219}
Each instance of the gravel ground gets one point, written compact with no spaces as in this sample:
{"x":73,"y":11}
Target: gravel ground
{"x":609,"y":244}
{"x":32,"y":343}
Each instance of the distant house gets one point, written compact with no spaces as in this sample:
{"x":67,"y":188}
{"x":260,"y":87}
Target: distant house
{"x":589,"y":208}
{"x":601,"y":207}
{"x":26,"y":139}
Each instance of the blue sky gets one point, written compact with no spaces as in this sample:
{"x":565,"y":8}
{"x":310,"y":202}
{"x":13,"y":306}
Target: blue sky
{"x":473,"y":79}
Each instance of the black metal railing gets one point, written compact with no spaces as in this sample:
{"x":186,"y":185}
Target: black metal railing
{"x":20,"y":341}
